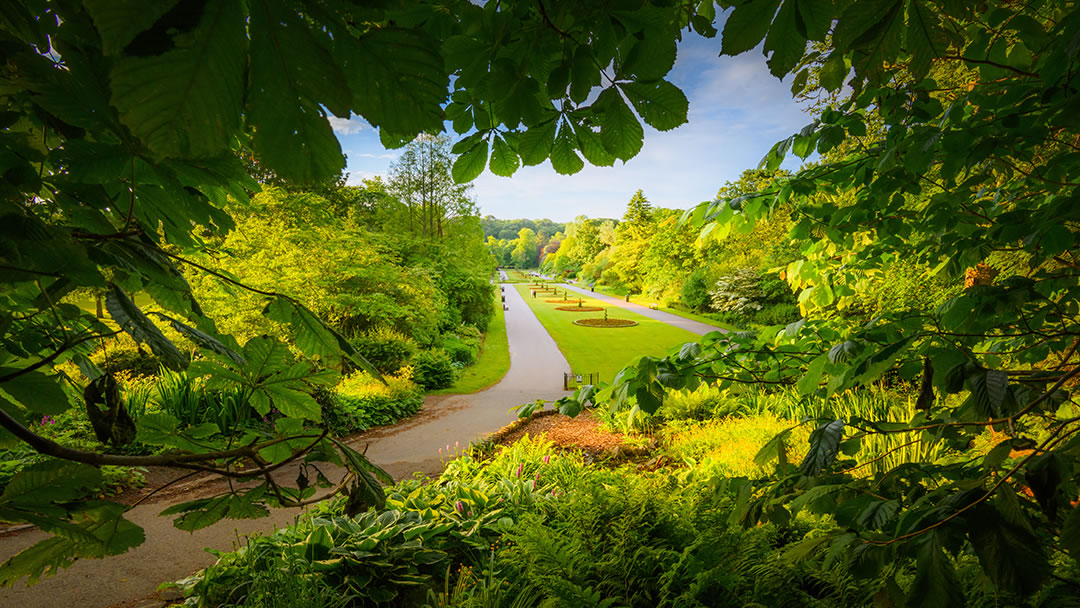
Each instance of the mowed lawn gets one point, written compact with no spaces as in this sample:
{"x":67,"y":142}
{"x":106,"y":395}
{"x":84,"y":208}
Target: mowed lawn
{"x":645,"y":301}
{"x":604,"y":350}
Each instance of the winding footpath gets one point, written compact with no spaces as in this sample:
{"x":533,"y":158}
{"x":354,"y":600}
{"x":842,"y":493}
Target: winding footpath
{"x":418,"y":444}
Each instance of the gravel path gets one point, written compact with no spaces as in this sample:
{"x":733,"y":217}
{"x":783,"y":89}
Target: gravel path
{"x":413,"y":445}
{"x":689,"y":325}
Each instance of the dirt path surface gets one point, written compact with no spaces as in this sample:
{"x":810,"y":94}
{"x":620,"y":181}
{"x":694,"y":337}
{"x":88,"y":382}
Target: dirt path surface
{"x":689,"y":325}
{"x":413,"y":445}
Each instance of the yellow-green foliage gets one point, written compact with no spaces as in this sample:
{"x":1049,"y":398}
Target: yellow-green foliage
{"x":363,"y":402}
{"x":703,"y":402}
{"x":337,"y":270}
{"x":361,"y":385}
{"x":727,"y":447}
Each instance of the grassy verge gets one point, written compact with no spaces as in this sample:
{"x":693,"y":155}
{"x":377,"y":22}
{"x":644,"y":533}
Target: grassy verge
{"x":645,"y":301}
{"x":603,"y":350}
{"x":491,"y":365}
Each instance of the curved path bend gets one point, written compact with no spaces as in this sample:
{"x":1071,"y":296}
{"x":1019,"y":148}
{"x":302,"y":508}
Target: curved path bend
{"x":411,"y":446}
{"x":690,"y":325}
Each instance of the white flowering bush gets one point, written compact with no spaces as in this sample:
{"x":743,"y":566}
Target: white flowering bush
{"x":738,"y":292}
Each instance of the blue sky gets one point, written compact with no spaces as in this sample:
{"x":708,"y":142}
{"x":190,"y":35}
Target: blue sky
{"x":737,"y":112}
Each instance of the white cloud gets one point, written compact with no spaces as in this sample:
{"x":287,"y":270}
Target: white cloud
{"x":349,"y":126}
{"x":356,"y":177}
{"x":388,"y":155}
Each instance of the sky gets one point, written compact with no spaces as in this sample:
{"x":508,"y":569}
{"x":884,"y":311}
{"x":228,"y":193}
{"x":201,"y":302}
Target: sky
{"x":738,"y":110}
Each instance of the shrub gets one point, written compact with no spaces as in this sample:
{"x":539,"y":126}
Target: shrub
{"x":777,"y":314}
{"x":459,"y":351}
{"x":775,"y":289}
{"x":361,"y":401}
{"x":699,"y":404}
{"x":433,"y":369}
{"x":695,"y":291}
{"x":470,"y":335}
{"x":738,"y":292}
{"x":123,"y":354}
{"x":611,"y":278}
{"x":386,"y":348}
{"x":384,"y":559}
{"x":727,"y":447}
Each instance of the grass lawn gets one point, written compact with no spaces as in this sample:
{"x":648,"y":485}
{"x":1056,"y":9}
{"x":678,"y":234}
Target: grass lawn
{"x":493,"y":362}
{"x":645,"y":301}
{"x":603,"y":350}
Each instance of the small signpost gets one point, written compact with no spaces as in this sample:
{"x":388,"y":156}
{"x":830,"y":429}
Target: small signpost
{"x":572,"y":380}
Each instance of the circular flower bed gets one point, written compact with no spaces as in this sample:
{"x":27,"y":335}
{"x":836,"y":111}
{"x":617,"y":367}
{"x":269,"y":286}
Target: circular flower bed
{"x":581,"y":309}
{"x":605,"y":322}
{"x":562,"y":301}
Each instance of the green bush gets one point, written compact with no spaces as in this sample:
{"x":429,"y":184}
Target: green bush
{"x":527,"y":523}
{"x":459,"y":351}
{"x":470,"y":335}
{"x":386,"y":348}
{"x":400,"y":556}
{"x":123,"y":354}
{"x":433,"y":369}
{"x":699,"y":404}
{"x":695,"y":291}
{"x":361,"y":401}
{"x":777,"y":314}
{"x":377,"y":559}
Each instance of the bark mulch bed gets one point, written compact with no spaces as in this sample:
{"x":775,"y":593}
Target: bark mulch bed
{"x":605,"y":322}
{"x":580,"y":309}
{"x":582,"y":432}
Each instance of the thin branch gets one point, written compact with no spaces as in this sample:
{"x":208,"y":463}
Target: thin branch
{"x":123,"y":234}
{"x":991,"y":63}
{"x":229,"y":280}
{"x":49,"y":447}
{"x":881,"y":457}
{"x":131,"y":204}
{"x":66,"y":346}
{"x":162,"y":487}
